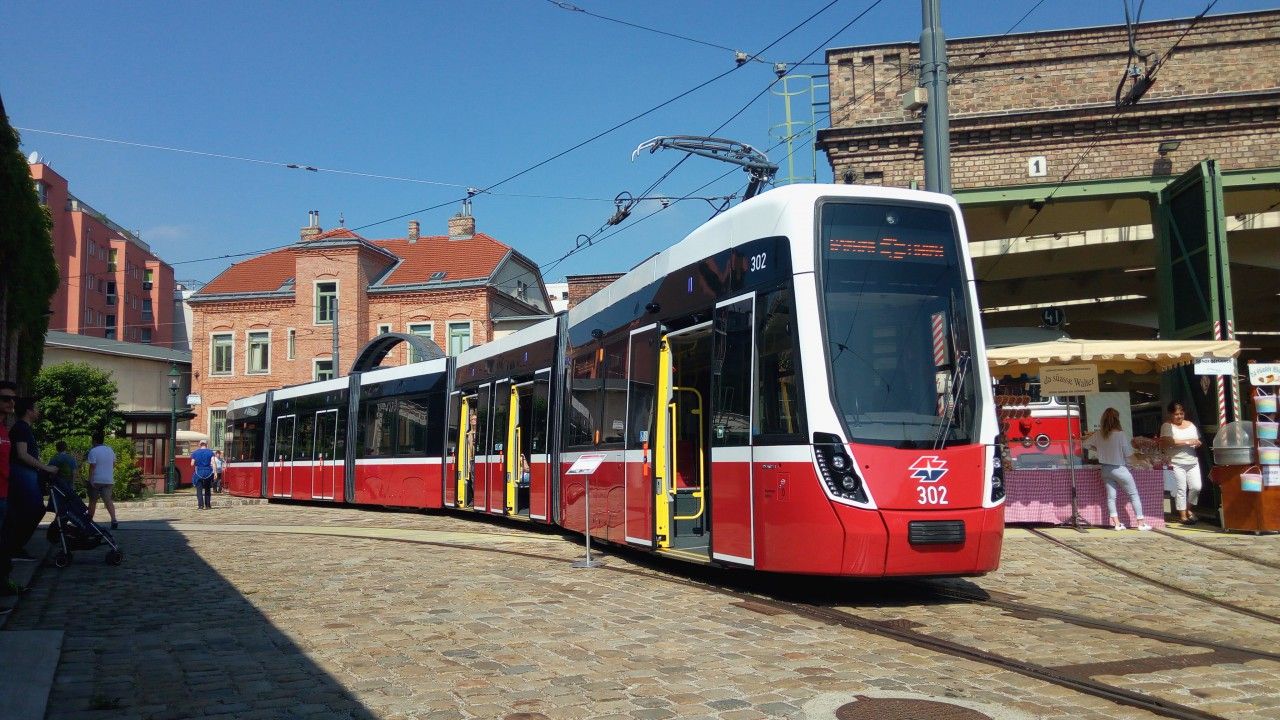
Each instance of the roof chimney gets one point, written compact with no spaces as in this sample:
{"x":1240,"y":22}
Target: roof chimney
{"x":463,"y":225}
{"x":313,"y":226}
{"x":414,"y":230}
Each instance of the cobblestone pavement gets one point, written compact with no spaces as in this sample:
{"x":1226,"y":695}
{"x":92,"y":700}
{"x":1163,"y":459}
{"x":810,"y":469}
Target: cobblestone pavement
{"x":269,"y":610}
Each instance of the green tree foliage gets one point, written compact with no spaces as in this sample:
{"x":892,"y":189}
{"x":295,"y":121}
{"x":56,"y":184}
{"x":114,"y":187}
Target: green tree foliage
{"x":128,"y":476}
{"x":30,"y":274}
{"x":75,"y":399}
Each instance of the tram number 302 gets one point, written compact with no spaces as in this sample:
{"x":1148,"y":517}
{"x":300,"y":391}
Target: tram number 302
{"x":758,"y":262}
{"x":932,"y":495}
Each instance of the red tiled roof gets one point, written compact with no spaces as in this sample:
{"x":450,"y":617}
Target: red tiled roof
{"x":263,"y":273}
{"x":473,"y":258}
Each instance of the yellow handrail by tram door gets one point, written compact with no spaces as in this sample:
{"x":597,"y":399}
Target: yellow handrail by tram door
{"x":513,"y":451}
{"x":662,"y":450}
{"x":701,"y":491}
{"x":465,"y":451}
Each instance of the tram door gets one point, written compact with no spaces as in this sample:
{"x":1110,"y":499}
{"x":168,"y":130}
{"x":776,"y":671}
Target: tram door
{"x":327,"y":465}
{"x":480,"y":463}
{"x":684,"y":386}
{"x":452,"y":450}
{"x":517,"y":490}
{"x":500,"y":450}
{"x":535,"y":441}
{"x":467,"y":432}
{"x":282,"y":474}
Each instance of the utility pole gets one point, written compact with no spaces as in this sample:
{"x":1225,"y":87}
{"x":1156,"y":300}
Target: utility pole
{"x":933,"y":78}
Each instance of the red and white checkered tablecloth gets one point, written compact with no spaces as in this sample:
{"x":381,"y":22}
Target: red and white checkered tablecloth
{"x":1044,"y":496}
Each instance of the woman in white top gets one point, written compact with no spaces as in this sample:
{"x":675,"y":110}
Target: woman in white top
{"x":1180,"y":438}
{"x":1114,"y":448}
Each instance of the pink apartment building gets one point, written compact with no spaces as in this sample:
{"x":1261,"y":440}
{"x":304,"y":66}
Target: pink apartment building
{"x":112,"y":285}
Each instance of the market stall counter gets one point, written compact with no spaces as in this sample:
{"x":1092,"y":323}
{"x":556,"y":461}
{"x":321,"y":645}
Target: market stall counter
{"x":1043,"y":496}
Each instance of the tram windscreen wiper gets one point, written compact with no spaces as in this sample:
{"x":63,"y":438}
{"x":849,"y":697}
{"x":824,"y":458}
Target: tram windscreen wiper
{"x":955,"y":393}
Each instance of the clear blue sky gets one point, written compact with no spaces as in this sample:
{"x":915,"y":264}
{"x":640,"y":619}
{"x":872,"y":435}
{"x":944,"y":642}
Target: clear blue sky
{"x":461,"y":93}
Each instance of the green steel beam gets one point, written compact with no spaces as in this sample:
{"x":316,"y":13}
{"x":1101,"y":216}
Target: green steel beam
{"x":1090,"y":189}
{"x":1261,"y":177}
{"x":1129,"y":187}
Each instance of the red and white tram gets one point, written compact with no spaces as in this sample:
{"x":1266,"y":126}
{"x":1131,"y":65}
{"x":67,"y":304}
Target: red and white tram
{"x":797,"y":386}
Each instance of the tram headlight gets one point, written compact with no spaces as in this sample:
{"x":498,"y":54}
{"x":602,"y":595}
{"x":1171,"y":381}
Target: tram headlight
{"x":836,"y":468}
{"x":997,"y":472}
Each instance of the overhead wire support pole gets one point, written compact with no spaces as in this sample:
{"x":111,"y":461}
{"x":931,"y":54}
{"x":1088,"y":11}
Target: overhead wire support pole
{"x":933,"y":78}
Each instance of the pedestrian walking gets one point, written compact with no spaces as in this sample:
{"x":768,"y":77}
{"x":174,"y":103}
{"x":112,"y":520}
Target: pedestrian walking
{"x":218,"y":466}
{"x":26,"y":499}
{"x":1180,"y":438}
{"x":102,"y":476}
{"x":202,"y":475}
{"x":1114,"y":449}
{"x":8,"y":395}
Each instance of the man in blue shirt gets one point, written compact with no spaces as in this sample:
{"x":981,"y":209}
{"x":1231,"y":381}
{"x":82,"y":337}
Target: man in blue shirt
{"x":202,"y":475}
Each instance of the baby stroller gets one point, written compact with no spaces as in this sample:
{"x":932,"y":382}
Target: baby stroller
{"x":72,"y":528}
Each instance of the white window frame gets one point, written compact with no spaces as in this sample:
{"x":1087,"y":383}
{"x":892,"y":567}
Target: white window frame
{"x":448,"y":334}
{"x":248,"y":352}
{"x":384,"y":328}
{"x":291,"y":348}
{"x":213,"y":346}
{"x":144,"y":335}
{"x":410,"y":328}
{"x":315,"y":299}
{"x":315,"y":367}
{"x":209,"y":425}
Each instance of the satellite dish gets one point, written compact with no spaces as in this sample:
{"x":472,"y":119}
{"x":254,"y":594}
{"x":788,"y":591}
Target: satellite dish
{"x":33,"y":158}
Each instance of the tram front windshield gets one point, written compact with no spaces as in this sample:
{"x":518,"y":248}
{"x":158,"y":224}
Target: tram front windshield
{"x":899,"y":337}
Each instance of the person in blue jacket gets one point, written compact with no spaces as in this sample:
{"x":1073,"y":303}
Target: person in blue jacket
{"x":202,"y":475}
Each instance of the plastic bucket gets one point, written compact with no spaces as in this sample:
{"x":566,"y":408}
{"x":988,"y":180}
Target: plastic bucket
{"x":1269,"y":455}
{"x":1265,"y":403}
{"x":1251,"y":482}
{"x":1267,"y":430}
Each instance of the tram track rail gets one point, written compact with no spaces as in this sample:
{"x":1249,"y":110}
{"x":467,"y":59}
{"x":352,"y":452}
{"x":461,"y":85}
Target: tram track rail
{"x":1223,"y":551}
{"x":1257,"y":614}
{"x":899,"y":630}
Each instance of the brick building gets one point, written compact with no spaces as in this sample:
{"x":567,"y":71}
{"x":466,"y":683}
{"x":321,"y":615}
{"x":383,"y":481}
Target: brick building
{"x":581,"y":287}
{"x":112,"y":286}
{"x":268,"y":322}
{"x":1151,"y":218}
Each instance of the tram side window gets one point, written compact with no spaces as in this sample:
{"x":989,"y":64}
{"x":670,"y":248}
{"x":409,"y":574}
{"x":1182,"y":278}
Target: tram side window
{"x":304,"y":436}
{"x":779,"y":415}
{"x":377,"y":428}
{"x":643,"y":375}
{"x":246,"y":441}
{"x":731,"y":376}
{"x":583,"y":416}
{"x":411,"y":426}
{"x":614,"y":387}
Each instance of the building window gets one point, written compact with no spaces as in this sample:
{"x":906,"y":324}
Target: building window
{"x":292,"y":345}
{"x":109,"y":327}
{"x":384,"y":328}
{"x":422,"y":330}
{"x":220,"y":354}
{"x":326,"y":302}
{"x":459,"y":336}
{"x":259,"y":352}
{"x":111,"y":260}
{"x":522,"y":290}
{"x":111,"y":292}
{"x":148,"y":275}
{"x":146,"y":335}
{"x":146,"y":309}
{"x":322,"y":369}
{"x":42,"y":192}
{"x":217,"y":429}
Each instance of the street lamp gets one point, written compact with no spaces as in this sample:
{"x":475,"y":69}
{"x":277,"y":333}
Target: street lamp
{"x":171,"y":478}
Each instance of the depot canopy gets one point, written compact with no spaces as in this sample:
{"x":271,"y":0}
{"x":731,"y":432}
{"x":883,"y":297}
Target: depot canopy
{"x":1136,"y":356}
